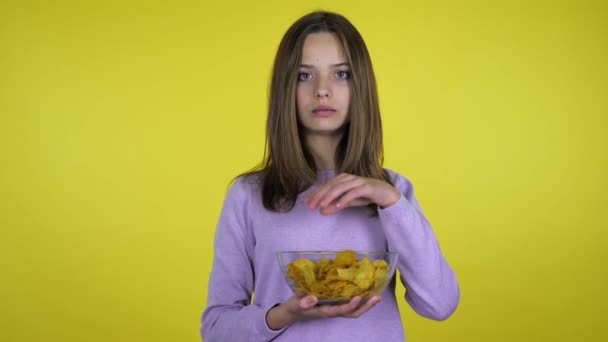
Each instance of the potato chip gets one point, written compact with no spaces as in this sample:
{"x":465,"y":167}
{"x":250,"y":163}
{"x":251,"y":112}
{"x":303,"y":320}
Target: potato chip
{"x":381,"y":273}
{"x":345,"y":258}
{"x":365,"y":274}
{"x":347,"y":273}
{"x":339,"y":279}
{"x":303,"y":269}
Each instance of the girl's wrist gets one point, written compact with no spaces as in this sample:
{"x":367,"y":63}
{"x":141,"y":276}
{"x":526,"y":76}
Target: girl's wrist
{"x":279,"y":317}
{"x":392,"y":199}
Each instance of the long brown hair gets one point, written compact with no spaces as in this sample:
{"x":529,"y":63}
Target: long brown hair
{"x":288,"y":168}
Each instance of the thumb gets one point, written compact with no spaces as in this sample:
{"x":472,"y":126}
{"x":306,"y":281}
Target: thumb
{"x":333,"y":207}
{"x":308,"y":302}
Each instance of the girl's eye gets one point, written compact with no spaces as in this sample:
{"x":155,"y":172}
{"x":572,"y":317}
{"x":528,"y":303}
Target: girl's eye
{"x":303,"y":76}
{"x":343,"y":74}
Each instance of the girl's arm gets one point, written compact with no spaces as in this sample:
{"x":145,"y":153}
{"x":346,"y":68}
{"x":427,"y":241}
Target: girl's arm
{"x":432,"y":288}
{"x":229,"y":315}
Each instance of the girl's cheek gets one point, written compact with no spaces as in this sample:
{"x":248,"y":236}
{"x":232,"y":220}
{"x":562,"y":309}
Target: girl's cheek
{"x":302,"y":85}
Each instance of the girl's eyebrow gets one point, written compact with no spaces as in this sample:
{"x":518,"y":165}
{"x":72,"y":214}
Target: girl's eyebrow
{"x":333,"y":65}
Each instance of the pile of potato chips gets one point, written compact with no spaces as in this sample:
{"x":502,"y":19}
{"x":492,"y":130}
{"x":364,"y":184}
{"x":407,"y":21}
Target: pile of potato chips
{"x":339,"y":279}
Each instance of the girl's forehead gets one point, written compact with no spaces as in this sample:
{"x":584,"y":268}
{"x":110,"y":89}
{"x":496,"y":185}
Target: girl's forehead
{"x":323,"y":48}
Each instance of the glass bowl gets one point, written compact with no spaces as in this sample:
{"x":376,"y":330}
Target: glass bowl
{"x":335,"y":277}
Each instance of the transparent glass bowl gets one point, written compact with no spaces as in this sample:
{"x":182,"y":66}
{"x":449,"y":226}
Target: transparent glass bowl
{"x":337,"y":282}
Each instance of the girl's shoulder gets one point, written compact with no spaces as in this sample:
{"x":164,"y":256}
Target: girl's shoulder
{"x":245,"y":186}
{"x":251,"y":179}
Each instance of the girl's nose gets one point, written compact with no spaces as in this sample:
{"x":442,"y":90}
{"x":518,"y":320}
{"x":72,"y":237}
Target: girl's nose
{"x":322,"y":93}
{"x":322,"y":90}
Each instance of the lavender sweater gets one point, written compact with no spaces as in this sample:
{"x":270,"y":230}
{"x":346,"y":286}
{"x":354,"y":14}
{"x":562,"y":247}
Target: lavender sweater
{"x":248,"y":237}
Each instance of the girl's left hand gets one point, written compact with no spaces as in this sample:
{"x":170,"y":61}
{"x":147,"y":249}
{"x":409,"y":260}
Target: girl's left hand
{"x":346,"y":190}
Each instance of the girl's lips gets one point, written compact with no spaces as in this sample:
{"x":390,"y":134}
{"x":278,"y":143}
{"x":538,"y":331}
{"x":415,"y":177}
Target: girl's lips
{"x":324,"y":112}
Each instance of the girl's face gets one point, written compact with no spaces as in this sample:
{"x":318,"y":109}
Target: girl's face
{"x":324,"y":85}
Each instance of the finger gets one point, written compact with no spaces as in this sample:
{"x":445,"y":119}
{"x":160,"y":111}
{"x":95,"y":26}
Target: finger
{"x":361,"y":191}
{"x":364,"y":308}
{"x":332,"y":208}
{"x":307,"y":302}
{"x":312,"y":201}
{"x":314,"y":198}
{"x":339,"y":189}
{"x":340,"y":310}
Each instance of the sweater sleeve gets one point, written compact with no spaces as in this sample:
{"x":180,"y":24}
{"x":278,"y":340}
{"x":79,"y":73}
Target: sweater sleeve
{"x":431,"y":286}
{"x":229,"y":315}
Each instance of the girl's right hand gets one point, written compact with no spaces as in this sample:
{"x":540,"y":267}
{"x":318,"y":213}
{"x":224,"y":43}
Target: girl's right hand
{"x":306,"y":308}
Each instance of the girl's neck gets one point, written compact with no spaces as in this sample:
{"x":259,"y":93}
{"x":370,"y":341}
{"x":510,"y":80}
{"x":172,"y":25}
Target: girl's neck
{"x":323,"y":149}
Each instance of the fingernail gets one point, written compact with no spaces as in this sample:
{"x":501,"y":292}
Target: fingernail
{"x":309,"y":301}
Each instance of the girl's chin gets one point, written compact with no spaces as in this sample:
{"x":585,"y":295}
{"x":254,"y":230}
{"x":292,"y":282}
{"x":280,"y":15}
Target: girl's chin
{"x":324,"y":131}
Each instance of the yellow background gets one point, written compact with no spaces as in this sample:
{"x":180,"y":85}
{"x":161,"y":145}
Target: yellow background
{"x":121,"y":124}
